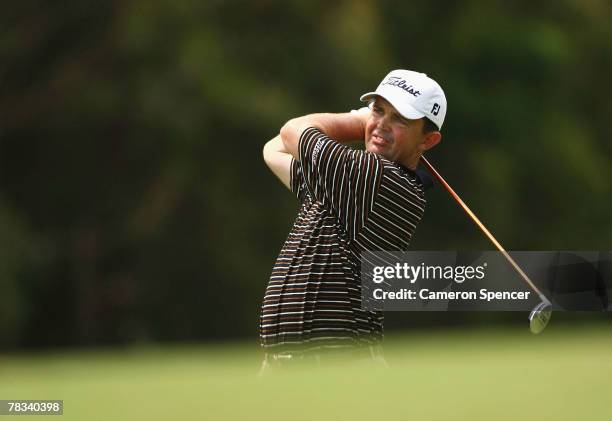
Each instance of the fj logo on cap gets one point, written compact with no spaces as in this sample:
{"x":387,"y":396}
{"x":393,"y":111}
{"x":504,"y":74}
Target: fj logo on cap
{"x":401,"y":83}
{"x":436,"y":109}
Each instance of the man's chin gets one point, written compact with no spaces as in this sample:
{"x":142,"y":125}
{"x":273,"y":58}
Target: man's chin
{"x":378,"y":150}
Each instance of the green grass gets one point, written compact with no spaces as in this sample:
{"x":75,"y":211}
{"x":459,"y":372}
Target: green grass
{"x":562,"y":374}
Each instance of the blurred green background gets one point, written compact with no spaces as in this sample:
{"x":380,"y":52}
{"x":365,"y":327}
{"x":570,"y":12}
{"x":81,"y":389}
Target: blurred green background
{"x":135,"y":207}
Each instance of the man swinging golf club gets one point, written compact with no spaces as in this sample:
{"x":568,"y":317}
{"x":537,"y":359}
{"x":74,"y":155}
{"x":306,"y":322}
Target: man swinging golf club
{"x":350,"y":201}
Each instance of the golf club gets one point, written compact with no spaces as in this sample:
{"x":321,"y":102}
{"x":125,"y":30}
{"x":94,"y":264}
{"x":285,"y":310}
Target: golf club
{"x":540,"y":315}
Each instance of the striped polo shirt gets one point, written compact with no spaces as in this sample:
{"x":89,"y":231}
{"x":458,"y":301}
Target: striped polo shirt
{"x":350,"y":201}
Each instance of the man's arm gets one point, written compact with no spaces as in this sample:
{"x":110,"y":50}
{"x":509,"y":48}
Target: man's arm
{"x":343,"y":179}
{"x":345,"y":127}
{"x":278,"y":160}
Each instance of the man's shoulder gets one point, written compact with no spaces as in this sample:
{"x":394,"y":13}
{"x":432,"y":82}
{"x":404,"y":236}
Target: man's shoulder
{"x":398,"y":175}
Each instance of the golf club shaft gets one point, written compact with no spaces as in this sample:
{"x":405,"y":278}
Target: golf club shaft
{"x":484,"y":229}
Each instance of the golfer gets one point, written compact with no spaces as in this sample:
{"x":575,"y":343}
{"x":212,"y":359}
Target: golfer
{"x":350,"y":201}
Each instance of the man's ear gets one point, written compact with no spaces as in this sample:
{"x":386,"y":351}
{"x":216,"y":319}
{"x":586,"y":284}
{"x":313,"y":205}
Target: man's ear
{"x":431,"y":140}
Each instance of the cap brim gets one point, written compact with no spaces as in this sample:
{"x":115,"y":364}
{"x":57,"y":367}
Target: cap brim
{"x":406,"y":110}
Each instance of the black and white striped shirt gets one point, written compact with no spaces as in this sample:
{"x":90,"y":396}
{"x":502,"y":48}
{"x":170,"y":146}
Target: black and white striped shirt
{"x":350,"y":201}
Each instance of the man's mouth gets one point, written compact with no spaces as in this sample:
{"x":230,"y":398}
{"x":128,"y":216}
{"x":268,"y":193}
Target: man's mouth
{"x":378,"y":140}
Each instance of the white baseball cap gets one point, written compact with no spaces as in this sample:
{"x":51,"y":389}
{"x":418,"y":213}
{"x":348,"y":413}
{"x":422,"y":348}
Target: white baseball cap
{"x":414,"y":95}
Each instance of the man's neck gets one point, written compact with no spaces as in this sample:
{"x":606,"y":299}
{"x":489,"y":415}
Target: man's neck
{"x":411,"y":163}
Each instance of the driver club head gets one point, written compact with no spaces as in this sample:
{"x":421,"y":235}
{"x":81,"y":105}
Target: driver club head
{"x":539,"y":317}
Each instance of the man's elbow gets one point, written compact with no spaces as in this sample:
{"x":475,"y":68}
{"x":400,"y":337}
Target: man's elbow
{"x":264,"y":152}
{"x":290,"y":134}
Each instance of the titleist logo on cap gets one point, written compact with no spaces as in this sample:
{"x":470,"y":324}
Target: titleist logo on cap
{"x":401,"y":83}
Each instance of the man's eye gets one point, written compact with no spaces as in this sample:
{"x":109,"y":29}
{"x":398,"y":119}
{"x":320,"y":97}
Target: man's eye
{"x":377,"y":110}
{"x":400,"y":120}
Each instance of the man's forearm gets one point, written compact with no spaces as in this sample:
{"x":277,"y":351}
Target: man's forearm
{"x":345,"y":127}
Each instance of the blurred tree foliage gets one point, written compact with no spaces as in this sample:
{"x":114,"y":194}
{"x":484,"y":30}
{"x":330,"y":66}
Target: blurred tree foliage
{"x":134,"y":203}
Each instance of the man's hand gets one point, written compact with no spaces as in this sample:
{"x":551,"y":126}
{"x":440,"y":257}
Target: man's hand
{"x":345,"y":127}
{"x":278,"y":160}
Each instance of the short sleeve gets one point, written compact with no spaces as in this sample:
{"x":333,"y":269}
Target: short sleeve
{"x":345,"y":179}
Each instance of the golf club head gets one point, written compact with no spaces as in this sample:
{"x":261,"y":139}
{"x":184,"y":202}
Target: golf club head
{"x":539,"y":317}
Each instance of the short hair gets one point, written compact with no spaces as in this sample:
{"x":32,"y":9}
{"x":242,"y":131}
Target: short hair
{"x":429,"y":126}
